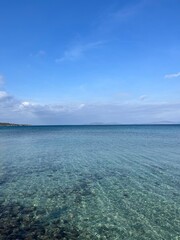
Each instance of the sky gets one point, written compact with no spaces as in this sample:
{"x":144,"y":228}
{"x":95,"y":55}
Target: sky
{"x":81,"y":62}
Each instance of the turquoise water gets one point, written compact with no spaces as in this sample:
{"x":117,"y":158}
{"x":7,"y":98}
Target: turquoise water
{"x":90,"y":182}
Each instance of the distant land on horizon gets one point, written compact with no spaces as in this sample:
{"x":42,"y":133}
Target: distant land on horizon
{"x":12,"y":124}
{"x":5,"y":124}
{"x":151,"y":123}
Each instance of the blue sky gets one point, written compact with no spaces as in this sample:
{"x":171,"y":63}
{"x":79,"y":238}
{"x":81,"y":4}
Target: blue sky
{"x":77,"y":62}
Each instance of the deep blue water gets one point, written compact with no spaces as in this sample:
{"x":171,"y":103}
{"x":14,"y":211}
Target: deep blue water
{"x":90,"y":182}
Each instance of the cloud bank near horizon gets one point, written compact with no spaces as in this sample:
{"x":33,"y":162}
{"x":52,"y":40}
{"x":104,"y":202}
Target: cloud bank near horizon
{"x":16,"y":110}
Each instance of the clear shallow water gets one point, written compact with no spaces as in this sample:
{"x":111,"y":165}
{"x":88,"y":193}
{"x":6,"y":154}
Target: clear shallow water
{"x":90,"y":182}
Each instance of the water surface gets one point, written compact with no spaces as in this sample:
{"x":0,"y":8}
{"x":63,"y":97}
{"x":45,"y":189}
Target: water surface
{"x":90,"y":182}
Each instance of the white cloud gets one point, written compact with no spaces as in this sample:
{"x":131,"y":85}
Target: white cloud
{"x":25,"y":105}
{"x":77,"y":51}
{"x":173,"y":75}
{"x":3,"y":94}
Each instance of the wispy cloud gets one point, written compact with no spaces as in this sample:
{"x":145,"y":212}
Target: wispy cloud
{"x":40,"y":53}
{"x":114,"y":16}
{"x":127,"y":12}
{"x":143,"y":97}
{"x":78,"y":51}
{"x":172,"y":75}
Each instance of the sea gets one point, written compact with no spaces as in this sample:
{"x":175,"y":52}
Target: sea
{"x":90,"y":182}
